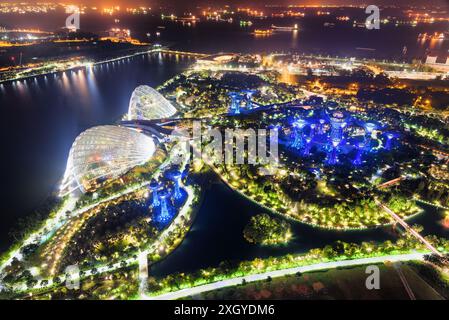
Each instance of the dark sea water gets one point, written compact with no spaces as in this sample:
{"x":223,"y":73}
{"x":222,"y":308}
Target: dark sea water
{"x":341,"y":39}
{"x":312,"y":38}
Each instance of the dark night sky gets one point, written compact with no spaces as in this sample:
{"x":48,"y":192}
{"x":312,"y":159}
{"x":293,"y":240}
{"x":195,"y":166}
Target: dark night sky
{"x":185,"y":3}
{"x":255,"y":3}
{"x":299,"y":2}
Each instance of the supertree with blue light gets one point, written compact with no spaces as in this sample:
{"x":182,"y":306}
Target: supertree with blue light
{"x":338,"y":123}
{"x":369,"y":128}
{"x":298,"y":128}
{"x":312,"y":130}
{"x":308,"y":147}
{"x":321,"y":124}
{"x":332,"y":155}
{"x":358,"y":158}
{"x":390,"y":137}
{"x":339,"y":139}
{"x":154,"y":187}
{"x":248,"y":98}
{"x":236,"y":99}
{"x":165,"y":214}
{"x":176,"y":177}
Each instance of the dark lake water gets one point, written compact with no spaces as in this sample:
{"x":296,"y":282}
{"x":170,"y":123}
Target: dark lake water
{"x":217,"y":234}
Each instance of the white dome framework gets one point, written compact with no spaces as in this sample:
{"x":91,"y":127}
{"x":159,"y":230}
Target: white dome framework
{"x":102,"y":153}
{"x":148,"y":104}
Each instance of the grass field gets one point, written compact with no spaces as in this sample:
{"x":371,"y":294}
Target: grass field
{"x":335,"y":284}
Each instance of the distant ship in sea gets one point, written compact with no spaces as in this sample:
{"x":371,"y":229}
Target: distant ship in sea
{"x":359,"y":25}
{"x":263,"y":32}
{"x":277,"y":28}
{"x":365,"y":49}
{"x":434,"y":36}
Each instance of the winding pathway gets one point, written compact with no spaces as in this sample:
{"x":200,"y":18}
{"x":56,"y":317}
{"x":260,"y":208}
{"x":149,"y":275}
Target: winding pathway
{"x":279,"y":273}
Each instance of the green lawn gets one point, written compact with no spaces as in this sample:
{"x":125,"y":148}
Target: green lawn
{"x":346,"y":284}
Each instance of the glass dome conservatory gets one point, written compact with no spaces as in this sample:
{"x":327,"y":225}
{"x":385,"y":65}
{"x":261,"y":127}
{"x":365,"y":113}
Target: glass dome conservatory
{"x":102,"y":153}
{"x":148,"y":104}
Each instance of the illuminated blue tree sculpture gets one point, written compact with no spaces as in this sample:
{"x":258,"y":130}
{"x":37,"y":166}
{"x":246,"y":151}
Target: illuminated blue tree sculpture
{"x":332,"y":156}
{"x":358,"y":158}
{"x":165,"y":214}
{"x":390,"y":137}
{"x":312,"y":130}
{"x":308,"y":146}
{"x":338,"y":122}
{"x":176,"y":176}
{"x":236,"y":99}
{"x":369,"y":128}
{"x":322,"y":122}
{"x":248,"y":98}
{"x":298,"y":133}
{"x":154,"y":187}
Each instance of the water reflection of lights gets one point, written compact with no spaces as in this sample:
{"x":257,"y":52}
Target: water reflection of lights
{"x":65,"y":81}
{"x":22,"y":88}
{"x":445,"y":221}
{"x":92,"y":83}
{"x":294,"y":38}
{"x":435,"y":43}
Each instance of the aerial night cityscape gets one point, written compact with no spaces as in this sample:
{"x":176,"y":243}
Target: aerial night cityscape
{"x":224,"y":150}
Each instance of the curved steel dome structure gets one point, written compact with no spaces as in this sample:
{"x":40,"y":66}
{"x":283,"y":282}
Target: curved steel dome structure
{"x":148,"y":104}
{"x":102,"y":153}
